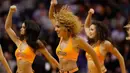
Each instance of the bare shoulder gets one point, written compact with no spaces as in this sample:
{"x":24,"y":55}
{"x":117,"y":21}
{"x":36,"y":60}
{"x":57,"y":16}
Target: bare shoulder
{"x":76,"y":43}
{"x":41,"y":45}
{"x":107,"y":43}
{"x":78,"y":40}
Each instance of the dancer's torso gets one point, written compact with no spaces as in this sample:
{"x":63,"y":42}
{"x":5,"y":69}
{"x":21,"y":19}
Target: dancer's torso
{"x":67,"y":55}
{"x":25,"y":57}
{"x":101,"y":53}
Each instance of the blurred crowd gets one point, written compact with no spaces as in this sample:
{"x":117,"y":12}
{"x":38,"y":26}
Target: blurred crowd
{"x":113,"y":13}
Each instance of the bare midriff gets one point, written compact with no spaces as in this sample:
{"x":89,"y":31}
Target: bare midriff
{"x":67,"y":65}
{"x":24,"y":67}
{"x":92,"y":67}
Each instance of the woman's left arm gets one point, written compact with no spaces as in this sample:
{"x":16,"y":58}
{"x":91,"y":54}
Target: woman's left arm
{"x":115,"y":52}
{"x":49,"y":57}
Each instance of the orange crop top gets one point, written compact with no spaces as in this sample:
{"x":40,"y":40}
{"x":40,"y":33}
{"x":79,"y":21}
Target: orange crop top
{"x":26,"y":54}
{"x":67,"y":53}
{"x":99,"y":55}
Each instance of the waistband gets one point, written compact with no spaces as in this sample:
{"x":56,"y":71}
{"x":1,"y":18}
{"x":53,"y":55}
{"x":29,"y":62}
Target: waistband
{"x":71,"y":71}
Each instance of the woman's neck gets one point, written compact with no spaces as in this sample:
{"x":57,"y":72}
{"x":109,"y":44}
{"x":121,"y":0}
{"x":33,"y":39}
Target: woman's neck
{"x":24,"y":40}
{"x":66,"y":38}
{"x":95,"y":41}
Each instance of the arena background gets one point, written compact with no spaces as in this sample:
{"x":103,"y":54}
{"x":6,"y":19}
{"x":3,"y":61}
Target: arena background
{"x":113,"y":13}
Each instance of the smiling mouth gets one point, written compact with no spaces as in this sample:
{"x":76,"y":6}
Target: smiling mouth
{"x":90,"y":34}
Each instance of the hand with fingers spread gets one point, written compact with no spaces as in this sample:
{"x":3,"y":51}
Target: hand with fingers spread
{"x":54,"y":2}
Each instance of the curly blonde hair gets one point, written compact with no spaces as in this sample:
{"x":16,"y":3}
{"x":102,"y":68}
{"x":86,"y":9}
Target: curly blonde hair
{"x":67,"y":19}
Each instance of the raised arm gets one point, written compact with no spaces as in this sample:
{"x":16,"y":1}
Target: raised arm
{"x":88,"y":21}
{"x":8,"y":25}
{"x":4,"y":62}
{"x":85,"y":46}
{"x":115,"y":52}
{"x":49,"y":57}
{"x":51,"y":11}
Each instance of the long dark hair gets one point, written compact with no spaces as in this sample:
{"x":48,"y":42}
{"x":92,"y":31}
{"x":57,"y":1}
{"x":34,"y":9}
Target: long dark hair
{"x":32,"y":31}
{"x":101,"y":30}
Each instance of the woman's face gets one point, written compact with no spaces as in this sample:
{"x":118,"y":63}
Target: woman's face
{"x":22,"y":30}
{"x":92,"y":31}
{"x":61,"y":30}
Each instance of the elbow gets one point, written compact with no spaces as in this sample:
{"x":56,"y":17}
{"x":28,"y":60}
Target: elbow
{"x":7,"y":25}
{"x":6,"y":28}
{"x":85,"y":26}
{"x":51,"y":17}
{"x":54,"y":67}
{"x":121,"y":58}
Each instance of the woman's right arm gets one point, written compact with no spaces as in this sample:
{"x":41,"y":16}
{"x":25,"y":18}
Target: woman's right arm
{"x":51,"y":11}
{"x":8,"y":25}
{"x":4,"y":62}
{"x":88,"y":21}
{"x":115,"y":52}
